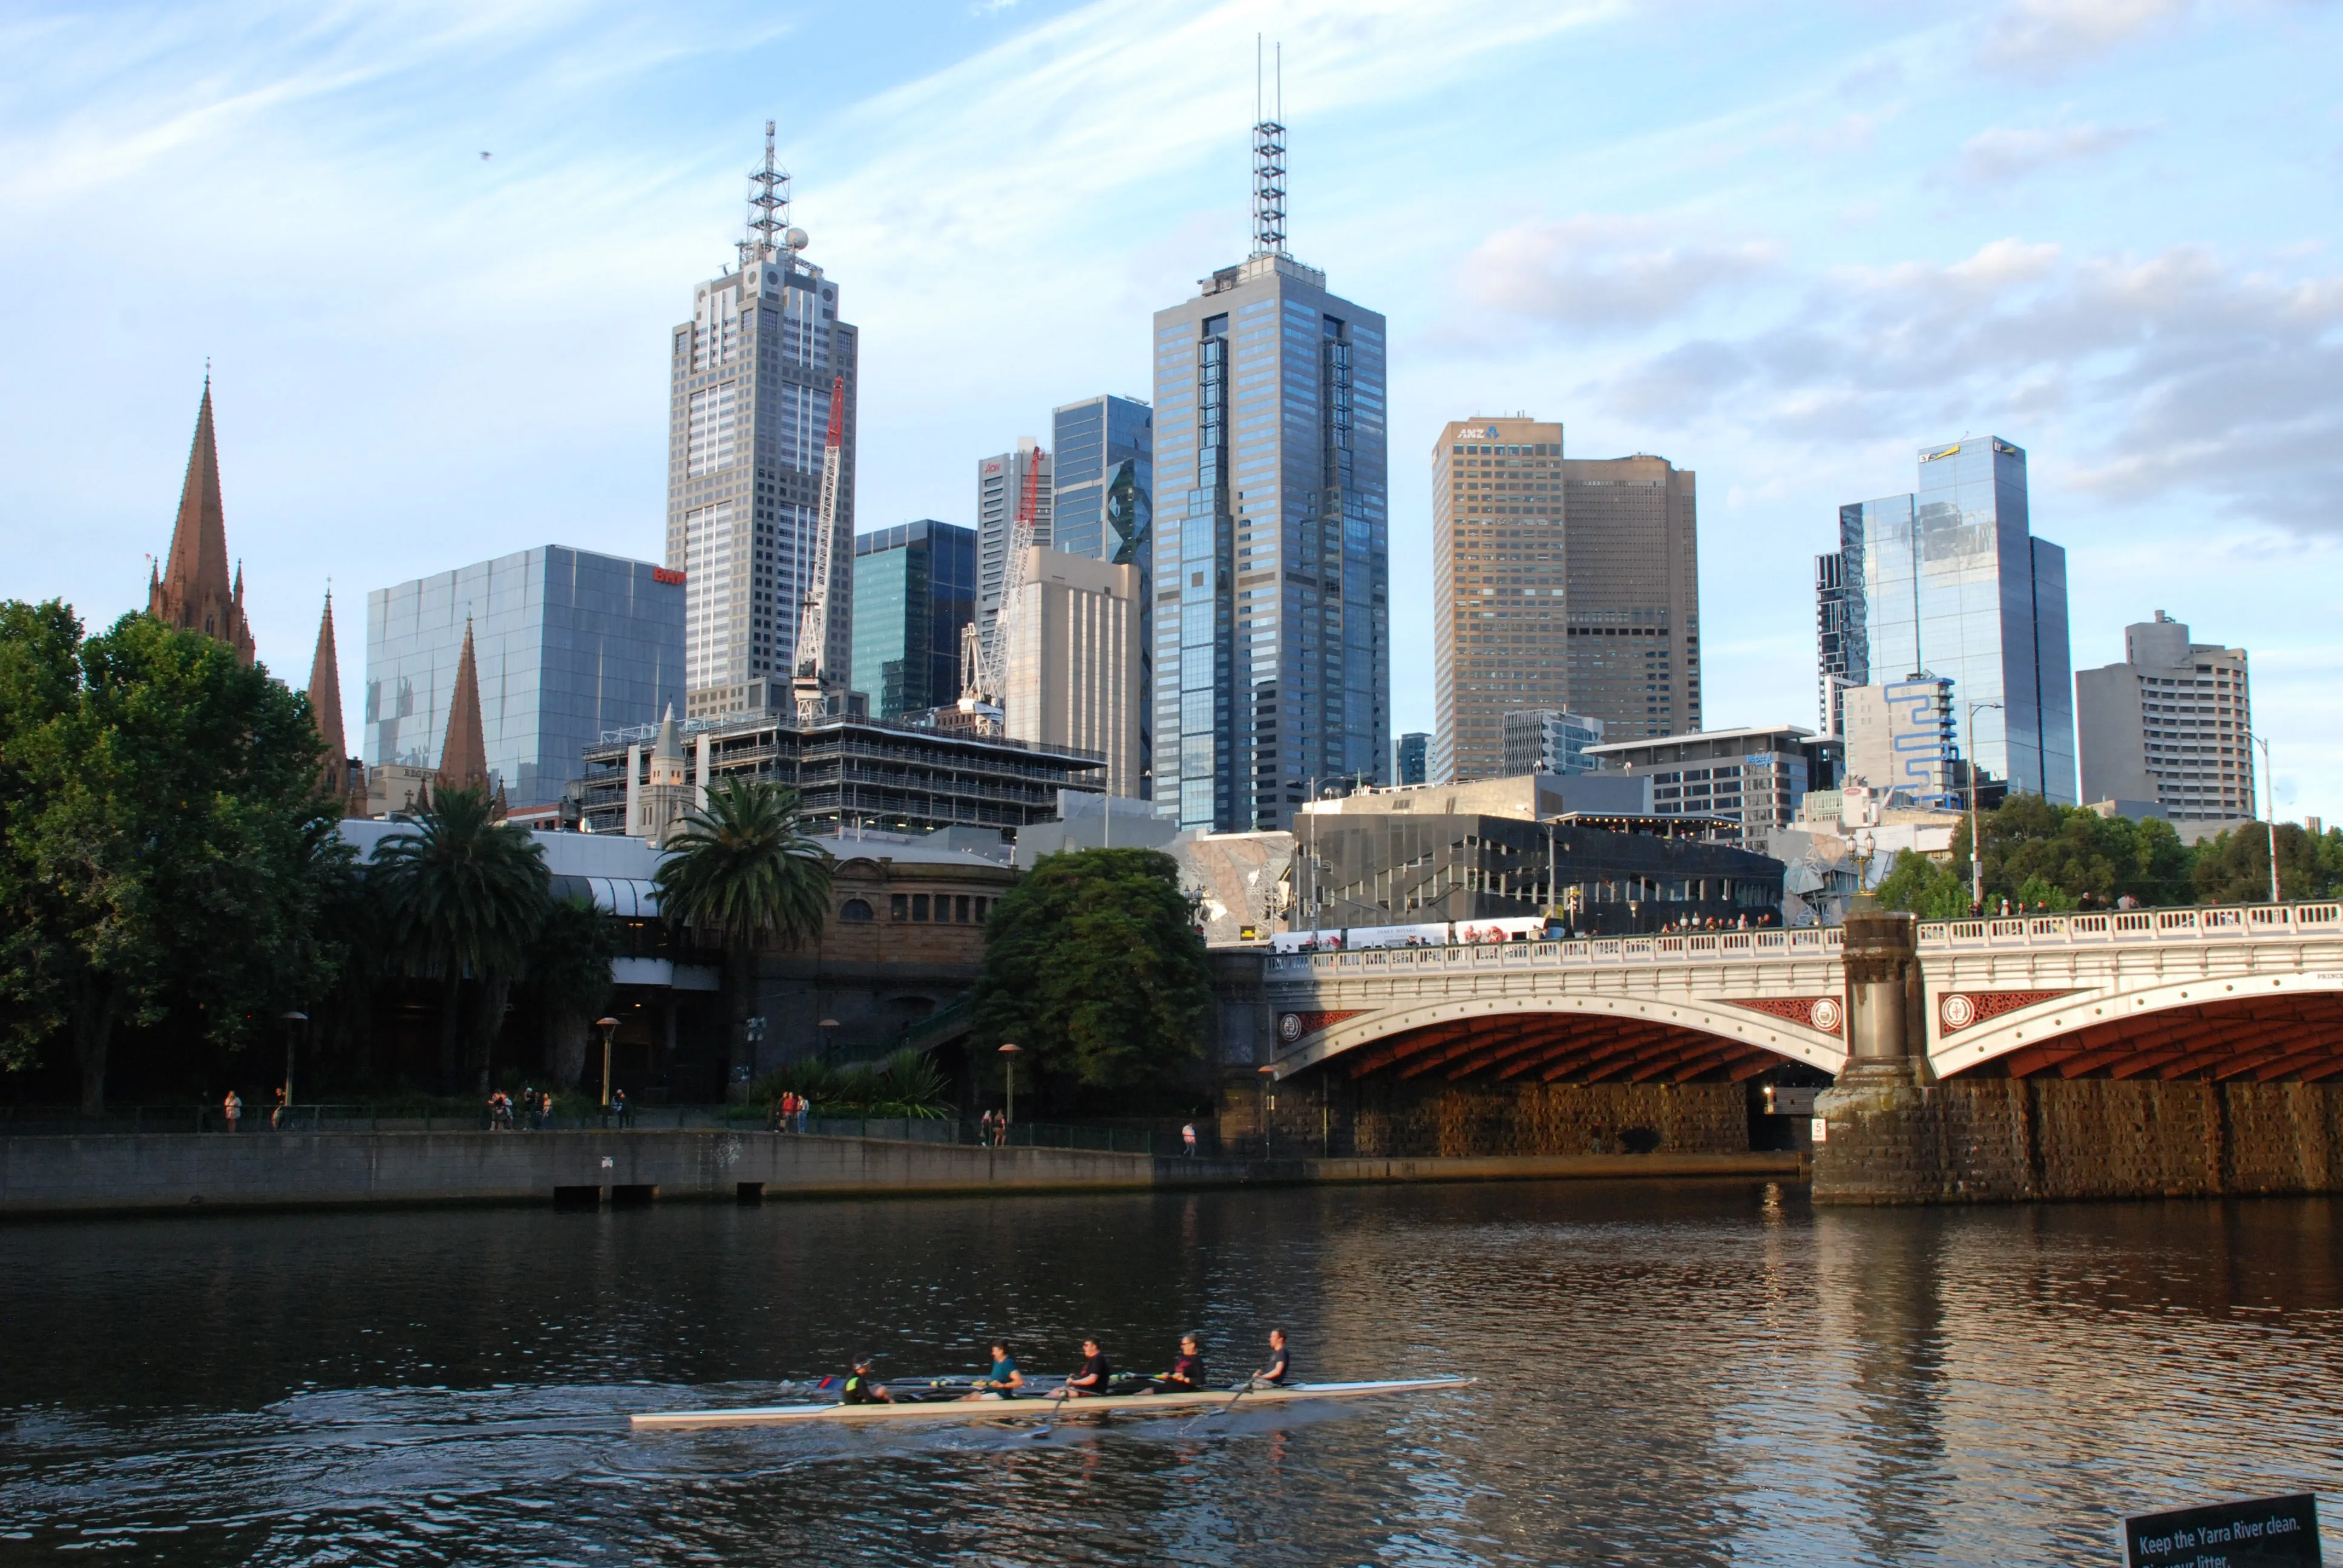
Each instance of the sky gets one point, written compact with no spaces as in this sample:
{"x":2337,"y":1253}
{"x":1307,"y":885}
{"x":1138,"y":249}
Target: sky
{"x":1785,"y":246}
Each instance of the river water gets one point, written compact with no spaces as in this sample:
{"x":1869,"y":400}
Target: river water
{"x":1681,"y":1374}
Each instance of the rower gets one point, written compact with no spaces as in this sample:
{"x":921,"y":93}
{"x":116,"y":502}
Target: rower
{"x":1092,"y":1380}
{"x":1279,"y":1368}
{"x":1003,"y":1380}
{"x":1187,"y":1374}
{"x":860,"y":1390}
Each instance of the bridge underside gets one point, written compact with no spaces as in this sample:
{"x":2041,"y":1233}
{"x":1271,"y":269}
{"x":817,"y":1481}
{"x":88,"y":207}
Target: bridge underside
{"x":2297,"y":1039}
{"x":1557,"y":1048}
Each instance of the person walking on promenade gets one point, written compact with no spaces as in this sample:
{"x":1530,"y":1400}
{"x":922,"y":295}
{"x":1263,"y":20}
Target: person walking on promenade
{"x":1188,"y":1141}
{"x":626,"y":1111}
{"x":805,"y":1109}
{"x":232,"y":1108}
{"x":277,"y":1111}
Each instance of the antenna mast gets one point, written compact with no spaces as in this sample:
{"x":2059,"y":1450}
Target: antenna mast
{"x":1267,"y":162}
{"x":768,"y":207}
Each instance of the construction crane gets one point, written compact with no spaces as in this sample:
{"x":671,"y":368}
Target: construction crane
{"x":984,"y":664}
{"x":813,"y":685}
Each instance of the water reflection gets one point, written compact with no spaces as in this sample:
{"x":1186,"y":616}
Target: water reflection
{"x":1681,"y":1374}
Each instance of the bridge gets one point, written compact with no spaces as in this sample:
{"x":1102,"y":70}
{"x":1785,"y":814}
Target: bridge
{"x":2251,"y":992}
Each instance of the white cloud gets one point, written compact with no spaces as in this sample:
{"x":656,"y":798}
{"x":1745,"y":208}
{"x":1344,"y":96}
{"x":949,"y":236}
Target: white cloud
{"x":2008,"y":153}
{"x":2041,"y":38}
{"x":1593,"y":273}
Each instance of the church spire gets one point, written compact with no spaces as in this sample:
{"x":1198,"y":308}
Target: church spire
{"x":464,"y":754}
{"x":194,"y":592}
{"x":326,"y":702}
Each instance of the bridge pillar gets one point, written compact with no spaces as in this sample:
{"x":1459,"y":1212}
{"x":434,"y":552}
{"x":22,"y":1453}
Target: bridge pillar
{"x":1878,"y":1146}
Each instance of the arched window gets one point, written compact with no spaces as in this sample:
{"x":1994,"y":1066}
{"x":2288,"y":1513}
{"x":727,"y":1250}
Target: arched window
{"x":854,"y":909}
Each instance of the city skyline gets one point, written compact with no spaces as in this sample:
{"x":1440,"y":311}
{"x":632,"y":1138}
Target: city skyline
{"x":1611,"y":309}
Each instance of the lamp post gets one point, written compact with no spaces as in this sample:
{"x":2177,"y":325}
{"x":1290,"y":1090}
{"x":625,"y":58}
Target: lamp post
{"x":2270,"y":793}
{"x":828,"y":1028}
{"x":292,"y":1022}
{"x":1268,"y":1107}
{"x":1977,"y":859}
{"x":608,"y":1026}
{"x":1009,"y":1051}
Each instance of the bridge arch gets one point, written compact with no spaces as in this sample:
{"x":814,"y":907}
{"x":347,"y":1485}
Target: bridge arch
{"x":1575,"y":1036}
{"x":2263,"y":1028}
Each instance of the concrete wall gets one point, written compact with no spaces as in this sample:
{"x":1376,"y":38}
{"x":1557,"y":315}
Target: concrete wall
{"x":69,"y":1174}
{"x":2004,"y":1139}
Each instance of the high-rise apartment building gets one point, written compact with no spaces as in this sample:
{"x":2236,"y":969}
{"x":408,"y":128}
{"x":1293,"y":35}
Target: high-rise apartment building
{"x":2170,"y":726}
{"x":1951,"y":579}
{"x":1002,"y":483}
{"x":1072,"y":663}
{"x":914,"y":590}
{"x":751,"y":379}
{"x":1548,"y":741}
{"x":1272,"y":580}
{"x":1901,"y":735}
{"x":1102,"y":478}
{"x":1838,"y":641}
{"x":1563,"y":583}
{"x":1414,"y":750}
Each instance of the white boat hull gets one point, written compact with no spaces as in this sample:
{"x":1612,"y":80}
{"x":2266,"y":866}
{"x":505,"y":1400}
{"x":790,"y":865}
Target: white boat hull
{"x":1042,"y":1407}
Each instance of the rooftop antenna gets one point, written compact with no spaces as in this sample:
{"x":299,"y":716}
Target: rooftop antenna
{"x":769,"y":207}
{"x":1268,"y":161}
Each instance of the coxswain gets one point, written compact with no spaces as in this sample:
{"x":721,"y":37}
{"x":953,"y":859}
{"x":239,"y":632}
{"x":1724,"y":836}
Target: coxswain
{"x":1003,"y":1380}
{"x":1092,"y":1380}
{"x":860,"y":1390}
{"x":1187,"y":1374}
{"x":1280,"y":1364}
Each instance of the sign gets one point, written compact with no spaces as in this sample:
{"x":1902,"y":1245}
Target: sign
{"x":2265,"y":1532}
{"x":666,"y":574}
{"x":1820,"y":1130}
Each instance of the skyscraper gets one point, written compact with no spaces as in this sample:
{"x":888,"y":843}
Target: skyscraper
{"x":2171,"y":725}
{"x":914,"y":588}
{"x":1001,"y":482}
{"x":1413,"y":748}
{"x":1951,"y":581}
{"x":1272,"y":580}
{"x":193,"y":591}
{"x":1564,"y":583}
{"x":751,"y":379}
{"x":1072,"y":662}
{"x":1103,"y":479}
{"x":1838,"y":641}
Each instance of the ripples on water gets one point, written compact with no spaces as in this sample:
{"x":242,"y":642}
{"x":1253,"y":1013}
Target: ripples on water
{"x":1674,"y":1374}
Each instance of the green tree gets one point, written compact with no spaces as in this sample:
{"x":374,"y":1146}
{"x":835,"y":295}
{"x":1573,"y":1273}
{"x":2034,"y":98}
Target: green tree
{"x":1093,"y":963}
{"x":1931,"y":890}
{"x":741,"y":870}
{"x":161,"y":840}
{"x":2234,"y":867}
{"x":465,"y":895}
{"x":569,"y":978}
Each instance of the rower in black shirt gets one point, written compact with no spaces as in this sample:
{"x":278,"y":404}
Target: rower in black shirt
{"x":1187,"y":1374}
{"x":860,"y":1390}
{"x":1092,"y":1380}
{"x":1279,"y":1368}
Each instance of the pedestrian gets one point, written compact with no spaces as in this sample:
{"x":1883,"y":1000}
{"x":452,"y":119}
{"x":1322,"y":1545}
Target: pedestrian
{"x":626,"y":1111}
{"x":1188,"y":1141}
{"x":529,"y":1105}
{"x":277,"y":1111}
{"x":984,"y":1129}
{"x":805,"y":1109}
{"x":232,"y":1108}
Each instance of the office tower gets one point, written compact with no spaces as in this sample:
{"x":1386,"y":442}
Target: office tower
{"x":192,"y":592}
{"x":1103,"y":474}
{"x":1838,"y":641}
{"x":1900,"y":735}
{"x":1569,"y":583}
{"x":914,"y":588}
{"x":569,"y":645}
{"x":2170,"y":726}
{"x":1548,"y":741}
{"x":1951,"y":580}
{"x":1002,"y":485}
{"x":1754,"y":779}
{"x":1272,"y":580}
{"x":1414,"y":748}
{"x":1072,"y":663}
{"x":751,"y":375}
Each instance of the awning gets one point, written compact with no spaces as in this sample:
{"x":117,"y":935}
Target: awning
{"x":628,"y":898}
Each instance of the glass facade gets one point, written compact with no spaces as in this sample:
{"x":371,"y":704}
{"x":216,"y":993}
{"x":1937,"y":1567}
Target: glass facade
{"x":1413,"y":748}
{"x":914,"y":588}
{"x":1271,"y":573}
{"x":1950,"y":580}
{"x":568,"y":645}
{"x":1103,"y":477}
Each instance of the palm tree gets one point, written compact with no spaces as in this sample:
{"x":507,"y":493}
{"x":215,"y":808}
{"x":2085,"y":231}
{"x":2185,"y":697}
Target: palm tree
{"x":741,"y":869}
{"x":463,"y":891}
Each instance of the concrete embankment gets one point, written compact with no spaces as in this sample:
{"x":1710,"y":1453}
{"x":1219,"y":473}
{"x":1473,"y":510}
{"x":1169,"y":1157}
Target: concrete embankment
{"x":185,"y":1173}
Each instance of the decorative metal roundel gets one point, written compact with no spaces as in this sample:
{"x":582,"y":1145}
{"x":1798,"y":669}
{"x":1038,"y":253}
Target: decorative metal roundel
{"x":1289,"y":1027}
{"x":1957,"y":1011}
{"x":1824,"y":1016}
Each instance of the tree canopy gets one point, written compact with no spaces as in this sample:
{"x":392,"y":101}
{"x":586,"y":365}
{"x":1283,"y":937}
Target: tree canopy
{"x":1093,"y":966}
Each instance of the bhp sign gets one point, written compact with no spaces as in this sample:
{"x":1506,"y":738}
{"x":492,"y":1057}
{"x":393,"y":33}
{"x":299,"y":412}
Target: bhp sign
{"x":663,"y":575}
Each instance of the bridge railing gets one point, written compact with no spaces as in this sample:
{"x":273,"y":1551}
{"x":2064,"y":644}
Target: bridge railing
{"x":2112,"y":927}
{"x":1692,"y":947}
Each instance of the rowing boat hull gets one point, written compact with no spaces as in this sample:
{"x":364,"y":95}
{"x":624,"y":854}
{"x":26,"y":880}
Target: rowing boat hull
{"x":1041,"y":1409}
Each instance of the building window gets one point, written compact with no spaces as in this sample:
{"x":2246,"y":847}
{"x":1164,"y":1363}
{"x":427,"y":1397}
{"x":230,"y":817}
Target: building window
{"x":919,"y":907}
{"x":982,"y":905}
{"x":899,"y":907}
{"x":960,"y":910}
{"x":854,"y":909}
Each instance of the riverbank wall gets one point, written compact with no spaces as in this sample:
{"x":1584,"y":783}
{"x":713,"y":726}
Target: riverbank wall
{"x":191,"y":1173}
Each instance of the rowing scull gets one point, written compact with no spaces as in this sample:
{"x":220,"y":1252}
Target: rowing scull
{"x":1029,"y":1409}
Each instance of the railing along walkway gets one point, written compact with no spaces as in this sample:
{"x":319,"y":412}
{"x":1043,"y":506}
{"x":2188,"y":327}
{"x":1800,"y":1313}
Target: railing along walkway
{"x":1693,"y":946}
{"x":2223,"y":922}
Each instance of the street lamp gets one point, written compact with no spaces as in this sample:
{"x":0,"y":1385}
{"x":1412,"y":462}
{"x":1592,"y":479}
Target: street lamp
{"x":1009,"y":1053}
{"x":292,"y":1022}
{"x":828,"y":1028}
{"x":2270,"y":793}
{"x":1976,"y":861}
{"x":608,"y":1026}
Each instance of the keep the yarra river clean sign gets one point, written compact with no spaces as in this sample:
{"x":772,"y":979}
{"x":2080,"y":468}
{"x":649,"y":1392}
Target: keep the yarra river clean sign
{"x":2266,"y":1532}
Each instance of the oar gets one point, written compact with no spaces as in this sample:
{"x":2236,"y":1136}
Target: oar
{"x":1250,"y":1385}
{"x":1063,"y":1393}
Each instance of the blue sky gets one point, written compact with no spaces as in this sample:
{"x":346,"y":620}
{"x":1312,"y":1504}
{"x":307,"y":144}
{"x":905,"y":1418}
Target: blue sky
{"x":1785,"y":246}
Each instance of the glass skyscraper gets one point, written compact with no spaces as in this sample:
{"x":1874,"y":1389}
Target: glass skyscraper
{"x":1272,"y":581}
{"x":1103,"y":477}
{"x":1951,"y":581}
{"x":914,"y":588}
{"x":566,"y":644}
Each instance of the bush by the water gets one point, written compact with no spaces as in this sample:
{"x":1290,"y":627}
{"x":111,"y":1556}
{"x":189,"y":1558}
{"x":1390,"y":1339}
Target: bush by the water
{"x":904,"y":1083}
